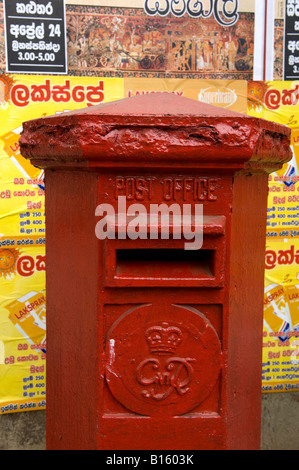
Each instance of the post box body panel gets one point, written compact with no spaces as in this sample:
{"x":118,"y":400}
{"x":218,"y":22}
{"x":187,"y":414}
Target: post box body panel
{"x":151,"y":345}
{"x":147,"y":398}
{"x":245,"y":327}
{"x":73,"y":311}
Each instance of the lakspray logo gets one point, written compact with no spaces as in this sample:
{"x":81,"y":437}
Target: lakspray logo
{"x":161,"y":221}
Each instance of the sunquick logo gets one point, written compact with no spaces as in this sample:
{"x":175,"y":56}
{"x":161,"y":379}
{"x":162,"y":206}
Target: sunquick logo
{"x":223,"y":97}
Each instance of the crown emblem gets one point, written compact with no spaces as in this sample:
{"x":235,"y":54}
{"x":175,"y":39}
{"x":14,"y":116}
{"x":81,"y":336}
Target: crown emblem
{"x":163,"y":339}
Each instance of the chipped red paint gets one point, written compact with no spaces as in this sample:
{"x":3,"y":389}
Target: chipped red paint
{"x":149,"y":347}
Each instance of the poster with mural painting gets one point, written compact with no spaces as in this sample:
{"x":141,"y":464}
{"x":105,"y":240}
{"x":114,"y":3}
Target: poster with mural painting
{"x":150,"y":39}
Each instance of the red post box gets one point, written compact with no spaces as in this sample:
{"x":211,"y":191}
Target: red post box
{"x":154,"y":332}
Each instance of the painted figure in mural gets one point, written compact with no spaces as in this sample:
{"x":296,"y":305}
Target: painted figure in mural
{"x":232,"y":48}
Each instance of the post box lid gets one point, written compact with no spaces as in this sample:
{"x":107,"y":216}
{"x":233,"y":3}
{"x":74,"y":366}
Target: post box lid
{"x":160,"y":129}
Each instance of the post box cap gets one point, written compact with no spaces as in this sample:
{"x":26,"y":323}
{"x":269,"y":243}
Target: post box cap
{"x":160,"y":129}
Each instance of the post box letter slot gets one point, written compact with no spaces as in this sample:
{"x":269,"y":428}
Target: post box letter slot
{"x":165,"y":263}
{"x":158,"y":266}
{"x":158,"y":262}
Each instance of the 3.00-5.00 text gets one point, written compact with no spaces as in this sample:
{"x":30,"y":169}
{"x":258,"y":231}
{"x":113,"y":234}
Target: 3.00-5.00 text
{"x":31,"y":56}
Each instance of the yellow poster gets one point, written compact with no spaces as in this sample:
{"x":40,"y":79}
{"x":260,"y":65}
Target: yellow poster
{"x":279,"y":101}
{"x":22,"y":209}
{"x":230,"y":94}
{"x":22,"y":232}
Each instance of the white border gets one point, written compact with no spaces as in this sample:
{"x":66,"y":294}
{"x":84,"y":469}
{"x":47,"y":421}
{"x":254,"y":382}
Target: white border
{"x":264,"y":40}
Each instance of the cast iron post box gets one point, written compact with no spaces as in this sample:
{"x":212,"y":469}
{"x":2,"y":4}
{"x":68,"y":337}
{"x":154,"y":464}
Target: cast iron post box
{"x":153,"y":344}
